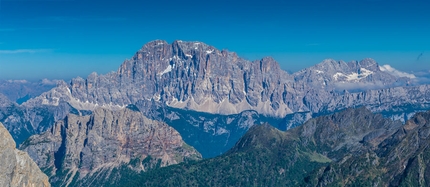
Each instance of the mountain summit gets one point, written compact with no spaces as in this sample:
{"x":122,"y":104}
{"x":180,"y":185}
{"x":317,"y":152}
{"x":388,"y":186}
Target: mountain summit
{"x":189,"y":75}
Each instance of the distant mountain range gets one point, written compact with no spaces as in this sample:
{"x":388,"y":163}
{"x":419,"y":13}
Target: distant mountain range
{"x":20,"y":91}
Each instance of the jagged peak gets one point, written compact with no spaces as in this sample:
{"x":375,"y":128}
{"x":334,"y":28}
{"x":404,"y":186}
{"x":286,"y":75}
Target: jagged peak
{"x":367,"y":63}
{"x":329,"y":62}
{"x":62,"y":83}
{"x":179,"y":43}
{"x":154,"y":43}
{"x":368,"y":60}
{"x":329,"y":65}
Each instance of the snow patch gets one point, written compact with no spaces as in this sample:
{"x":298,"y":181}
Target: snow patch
{"x":387,"y":68}
{"x":167,"y":70}
{"x":319,"y":72}
{"x":209,"y":51}
{"x":337,"y":75}
{"x":188,"y":55}
{"x":354,"y":76}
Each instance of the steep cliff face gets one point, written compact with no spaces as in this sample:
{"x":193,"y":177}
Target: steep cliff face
{"x":16,"y":167}
{"x":189,"y":75}
{"x":24,"y":121}
{"x":93,"y":149}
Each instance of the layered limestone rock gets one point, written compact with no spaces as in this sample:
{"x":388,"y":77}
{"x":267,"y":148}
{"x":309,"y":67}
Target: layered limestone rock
{"x":84,"y":150}
{"x":16,"y":167}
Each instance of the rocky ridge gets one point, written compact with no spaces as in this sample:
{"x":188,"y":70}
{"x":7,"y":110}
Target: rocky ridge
{"x":196,"y":76}
{"x":92,"y":149}
{"x":353,"y":76}
{"x":16,"y":167}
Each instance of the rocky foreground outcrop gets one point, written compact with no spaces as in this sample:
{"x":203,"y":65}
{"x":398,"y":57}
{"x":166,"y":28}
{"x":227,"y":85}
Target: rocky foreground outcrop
{"x":103,"y":147}
{"x":16,"y":167}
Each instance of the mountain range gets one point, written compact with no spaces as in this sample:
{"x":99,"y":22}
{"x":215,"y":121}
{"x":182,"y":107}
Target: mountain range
{"x":181,"y":102}
{"x":193,"y":76}
{"x":20,"y":91}
{"x":196,"y":76}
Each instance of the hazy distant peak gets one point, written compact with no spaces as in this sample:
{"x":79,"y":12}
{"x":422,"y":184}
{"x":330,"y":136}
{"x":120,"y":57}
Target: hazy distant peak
{"x":18,"y":81}
{"x":46,"y":81}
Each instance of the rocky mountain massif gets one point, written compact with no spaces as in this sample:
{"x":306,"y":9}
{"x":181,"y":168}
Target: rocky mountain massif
{"x":99,"y":149}
{"x":196,"y":76}
{"x":353,"y":147}
{"x":193,"y":76}
{"x":16,"y":167}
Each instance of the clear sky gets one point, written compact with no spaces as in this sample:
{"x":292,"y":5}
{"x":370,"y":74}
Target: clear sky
{"x":69,"y":38}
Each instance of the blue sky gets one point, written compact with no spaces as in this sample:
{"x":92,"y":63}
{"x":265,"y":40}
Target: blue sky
{"x":69,"y":38}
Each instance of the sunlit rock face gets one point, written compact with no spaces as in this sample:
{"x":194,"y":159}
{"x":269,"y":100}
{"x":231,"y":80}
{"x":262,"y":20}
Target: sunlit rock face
{"x":84,"y":150}
{"x":17,"y":169}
